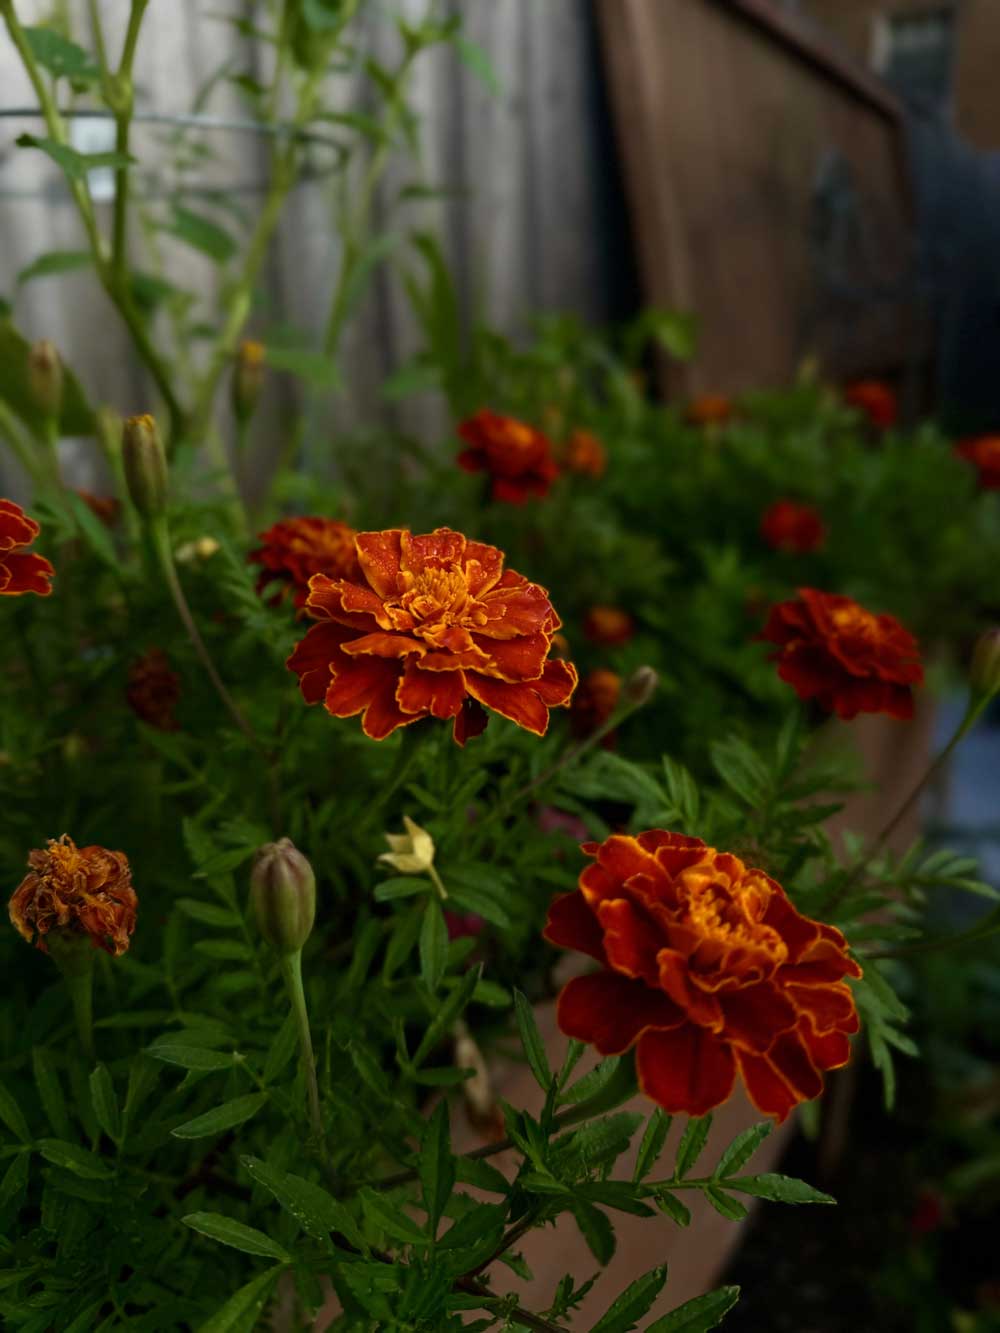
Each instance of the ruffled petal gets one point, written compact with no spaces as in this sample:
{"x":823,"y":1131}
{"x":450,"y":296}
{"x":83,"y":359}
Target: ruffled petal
{"x":517,"y":659}
{"x":827,"y":1050}
{"x":26,"y":573}
{"x":381,"y":644}
{"x":791,"y":1059}
{"x":629,"y":941}
{"x":756,"y":1014}
{"x":470,"y":721}
{"x":765,"y":1087}
{"x":440,"y":693}
{"x":572,"y":925}
{"x":359,"y":682}
{"x":520,"y":703}
{"x":380,"y":554}
{"x":685,"y":1071}
{"x":828,"y":1007}
{"x":675,"y":978}
{"x":313,"y":659}
{"x":559,"y":680}
{"x":610,"y":1011}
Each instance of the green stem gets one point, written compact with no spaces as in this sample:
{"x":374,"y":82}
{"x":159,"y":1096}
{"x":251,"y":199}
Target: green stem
{"x":291,"y":971}
{"x":74,"y":956}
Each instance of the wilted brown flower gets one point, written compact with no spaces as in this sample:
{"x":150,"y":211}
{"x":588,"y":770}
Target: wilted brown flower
{"x":154,"y":690}
{"x":79,"y":891}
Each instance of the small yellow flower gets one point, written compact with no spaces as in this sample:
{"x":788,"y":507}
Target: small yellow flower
{"x":412,"y":852}
{"x":202,"y":549}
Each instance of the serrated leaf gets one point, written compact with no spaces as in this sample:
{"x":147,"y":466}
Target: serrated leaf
{"x":597,"y":1231}
{"x":243,"y":1309}
{"x":10,"y":1114}
{"x":226,"y":1230}
{"x":390,"y":1218}
{"x":633,"y":1303}
{"x":436,"y":1166}
{"x":778,"y":1188}
{"x":55,"y":261}
{"x":591,"y":1083}
{"x":742,"y":1149}
{"x":531,"y":1040}
{"x":700,"y":1315}
{"x":227,"y":1116}
{"x":71,"y":1157}
{"x":50,"y":1092}
{"x":433,"y":945}
{"x":691,"y":1144}
{"x":314,"y":1208}
{"x":652,"y":1143}
{"x":105,"y":1103}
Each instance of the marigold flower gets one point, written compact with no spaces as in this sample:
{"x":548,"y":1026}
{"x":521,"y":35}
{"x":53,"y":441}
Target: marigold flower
{"x":297,"y":548}
{"x":105,"y":507}
{"x":984,"y":455}
{"x":708,"y":970}
{"x":608,"y":625}
{"x":709,"y":409}
{"x":80,"y":890}
{"x":517,"y":456}
{"x":875,"y":400}
{"x":793,"y":527}
{"x":585,"y":454}
{"x":595,"y":701}
{"x":154,"y":690}
{"x":433,"y":627}
{"x":21,"y":573}
{"x":846,"y":658}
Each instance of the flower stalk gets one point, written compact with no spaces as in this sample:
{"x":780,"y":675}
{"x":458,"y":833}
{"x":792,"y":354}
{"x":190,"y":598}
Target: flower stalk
{"x":291,"y":972}
{"x":74,"y":956}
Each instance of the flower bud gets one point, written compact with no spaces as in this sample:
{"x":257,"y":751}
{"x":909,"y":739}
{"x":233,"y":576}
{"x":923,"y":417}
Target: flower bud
{"x":984,"y":673}
{"x":248,"y":379}
{"x":145,"y":466}
{"x":45,"y":377}
{"x":642,"y":685}
{"x":283,"y":894}
{"x":108,"y":428}
{"x":412,"y":852}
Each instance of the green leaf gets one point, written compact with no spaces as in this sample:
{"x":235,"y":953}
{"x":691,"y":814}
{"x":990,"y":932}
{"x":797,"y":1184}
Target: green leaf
{"x":15,"y":1180}
{"x":220,"y":1118}
{"x":71,"y":1157}
{"x":243,"y":1309}
{"x":691,"y":1144}
{"x":652,"y":1143}
{"x":597,"y":1231}
{"x":778,"y":1188}
{"x":451,"y":1008}
{"x":700,"y":1315}
{"x":403,"y":886}
{"x":592,"y":1083}
{"x":471,"y":1171}
{"x":726,"y":1205}
{"x":208,"y":913}
{"x":633,"y":1303}
{"x":50,"y":1092}
{"x":742,"y":1149}
{"x":531,"y":1040}
{"x":105,"y":1103}
{"x":228,"y":1231}
{"x":95,"y":534}
{"x":203,"y":234}
{"x":436,"y":1166}
{"x":283,"y":1048}
{"x":477,"y":60}
{"x":316,"y":1211}
{"x":61,"y":57}
{"x":176,"y":1052}
{"x":433,"y":945}
{"x":226,"y":951}
{"x":73,"y":164}
{"x":598,"y":1141}
{"x":316,"y":369}
{"x":673,"y":1207}
{"x":55,"y":261}
{"x":390,"y":1218}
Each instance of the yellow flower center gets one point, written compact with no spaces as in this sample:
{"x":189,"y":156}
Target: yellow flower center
{"x":854,"y":620}
{"x":436,"y":599}
{"x":726,"y":919}
{"x":518,"y":435}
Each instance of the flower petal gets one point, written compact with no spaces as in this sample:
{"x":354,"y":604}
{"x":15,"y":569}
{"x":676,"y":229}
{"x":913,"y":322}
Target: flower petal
{"x":520,"y":703}
{"x":572,"y":925}
{"x":440,"y":693}
{"x":765,"y":1087}
{"x":381,"y":644}
{"x":359,"y":682}
{"x":470,"y":722}
{"x":517,"y":659}
{"x":686,"y":1071}
{"x":629,"y":941}
{"x":559,"y":680}
{"x":313,"y":659}
{"x":610,"y":1011}
{"x":26,"y":573}
{"x":756,"y":1014}
{"x":828,"y":1007}
{"x":380,"y":555}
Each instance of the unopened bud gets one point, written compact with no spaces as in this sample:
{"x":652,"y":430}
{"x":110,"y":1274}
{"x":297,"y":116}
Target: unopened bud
{"x":248,"y":378}
{"x":108,"y":427}
{"x":45,"y":377}
{"x":283,"y":894}
{"x":145,"y":466}
{"x":984,"y":673}
{"x":642,"y":685}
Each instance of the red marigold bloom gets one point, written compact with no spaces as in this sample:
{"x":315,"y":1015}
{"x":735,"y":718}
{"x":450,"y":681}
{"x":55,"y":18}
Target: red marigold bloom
{"x":790,"y":526}
{"x":297,"y":548}
{"x":608,"y":625}
{"x":875,"y":400}
{"x":154,"y":690}
{"x":984,"y":455}
{"x":708,"y":970}
{"x":709,"y":409}
{"x":846,"y":658}
{"x":595,"y":701}
{"x":517,"y":456}
{"x":83,"y":890}
{"x":434,"y":626}
{"x":20,"y":573}
{"x":586,"y":455}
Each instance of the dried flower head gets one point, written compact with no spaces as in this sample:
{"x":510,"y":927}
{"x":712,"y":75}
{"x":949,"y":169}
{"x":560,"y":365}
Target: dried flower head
{"x":517,"y":456}
{"x":79,"y":890}
{"x":412,"y":852}
{"x":297,"y":548}
{"x":20,"y":572}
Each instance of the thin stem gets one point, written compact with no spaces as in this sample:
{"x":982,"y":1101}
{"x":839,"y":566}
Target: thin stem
{"x":74,"y":955}
{"x":518,"y":1314}
{"x":509,"y":1240}
{"x":291,"y":971}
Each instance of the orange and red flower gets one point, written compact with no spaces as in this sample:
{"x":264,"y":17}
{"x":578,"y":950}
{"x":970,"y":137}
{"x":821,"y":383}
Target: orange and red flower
{"x":79,"y":890}
{"x":585,"y":454}
{"x":846,"y":658}
{"x":708,"y":971}
{"x":984,"y":455}
{"x":595,"y":701}
{"x":433,"y":626}
{"x":297,"y":548}
{"x":21,"y":572}
{"x":709,"y":409}
{"x":608,"y":625}
{"x":790,"y":526}
{"x":517,"y":456}
{"x":154,"y":690}
{"x":875,"y":400}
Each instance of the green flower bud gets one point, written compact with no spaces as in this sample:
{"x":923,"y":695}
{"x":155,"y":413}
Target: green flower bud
{"x":984,"y":673}
{"x":283,"y":894}
{"x":642,"y":685}
{"x":45,"y":377}
{"x":249,"y":370}
{"x":145,"y":466}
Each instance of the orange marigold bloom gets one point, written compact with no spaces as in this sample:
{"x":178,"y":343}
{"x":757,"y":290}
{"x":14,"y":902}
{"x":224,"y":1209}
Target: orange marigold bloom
{"x":708,"y":970}
{"x":595,"y":701}
{"x":984,"y":455}
{"x":84,"y":890}
{"x":875,"y":400}
{"x":846,"y":658}
{"x":586,"y":455}
{"x":709,"y":409}
{"x":608,"y":625}
{"x":517,"y":456}
{"x":19,"y":572}
{"x":790,"y":526}
{"x":297,"y":548}
{"x":154,"y":690}
{"x":434,"y":626}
